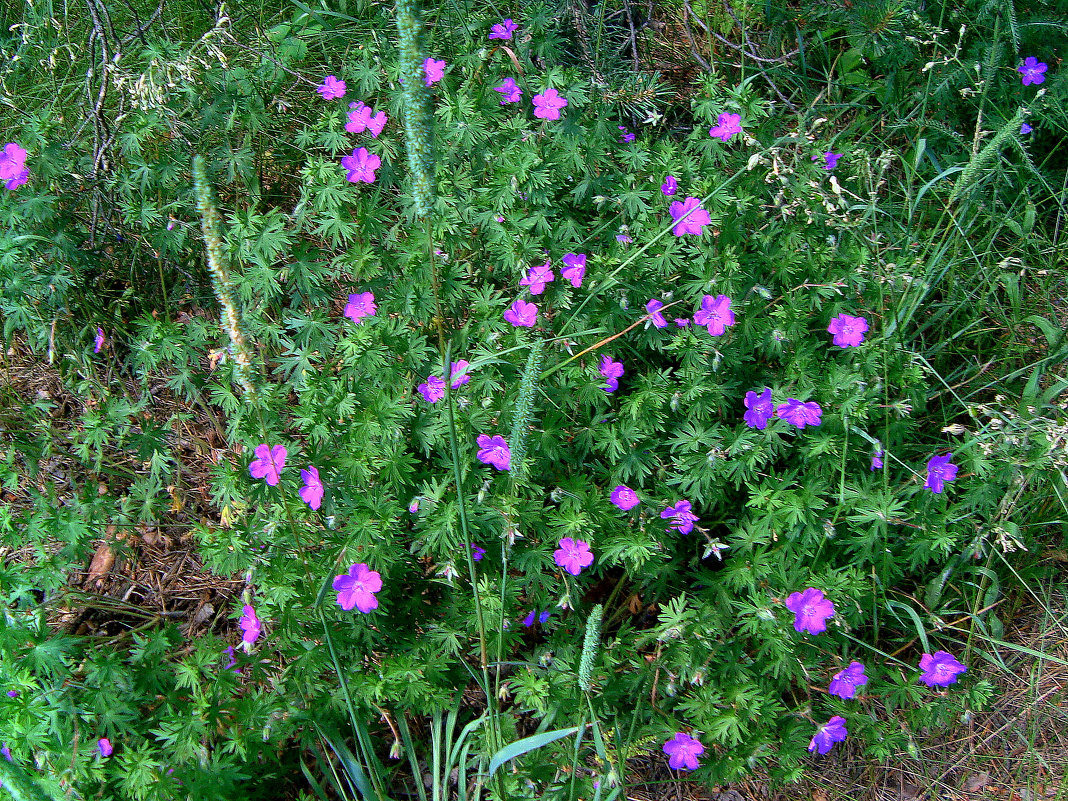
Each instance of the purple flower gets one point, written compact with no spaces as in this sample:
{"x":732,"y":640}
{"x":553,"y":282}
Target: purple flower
{"x":521,"y":314}
{"x":547,"y":105}
{"x":250,"y":625}
{"x":362,"y":118}
{"x":268,"y":463}
{"x":12,"y":693}
{"x":435,"y":71}
{"x":848,"y":331}
{"x":458,"y":373}
{"x":12,"y":161}
{"x":683,"y":751}
{"x":877,"y":459}
{"x":845,"y":682}
{"x":624,"y":497}
{"x":800,"y":413}
{"x":361,"y":166}
{"x":433,"y":390}
{"x":939,"y":470}
{"x":831,"y":732}
{"x":670,"y":185}
{"x":940,"y":669}
{"x":360,"y":306}
{"x":98,"y":343}
{"x":728,"y":126}
{"x":494,"y":451}
{"x":574,"y":268}
{"x":6,"y":752}
{"x":538,"y":277}
{"x":413,"y":507}
{"x":1032,"y":71}
{"x":830,"y":160}
{"x":653,"y":307}
{"x":103,"y":745}
{"x":478,"y":553}
{"x":331,"y":88}
{"x":573,"y":555}
{"x":357,"y":588}
{"x":1025,"y":129}
{"x":682,"y":322}
{"x":312,"y":491}
{"x":623,"y":239}
{"x":759,"y":409}
{"x":510,"y":93}
{"x":689,"y":217}
{"x":503,"y":29}
{"x":232,"y":664}
{"x":612,"y":371}
{"x":626,"y":137}
{"x":811,"y":611}
{"x":715,"y":313}
{"x":682,"y":516}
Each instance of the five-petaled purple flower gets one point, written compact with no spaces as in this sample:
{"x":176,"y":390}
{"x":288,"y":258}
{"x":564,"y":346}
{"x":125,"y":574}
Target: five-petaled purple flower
{"x":877,"y":459}
{"x":538,"y":277}
{"x":573,"y":555}
{"x":494,"y":451}
{"x":250,"y":625}
{"x":682,"y":516}
{"x":458,"y":373}
{"x":848,"y":331}
{"x":759,"y":409}
{"x":547,"y":104}
{"x":612,"y":372}
{"x":13,"y":169}
{"x":670,"y":185}
{"x":715,"y":313}
{"x":626,"y":137}
{"x":1032,"y":71}
{"x":939,"y":470}
{"x":940,"y":669}
{"x":360,"y":305}
{"x":103,"y":745}
{"x":574,"y":268}
{"x":800,"y":413}
{"x":728,"y":125}
{"x":695,"y":217}
{"x":312,"y":491}
{"x":433,"y":390}
{"x":477,"y":553}
{"x":683,"y":751}
{"x":831,"y":732}
{"x":98,"y":342}
{"x":363,"y":118}
{"x":653,"y":308}
{"x":830,"y":160}
{"x":361,"y":166}
{"x":811,"y":610}
{"x":624,"y":497}
{"x":331,"y":88}
{"x":503,"y":29}
{"x":268,"y":463}
{"x":435,"y":71}
{"x":845,"y":682}
{"x":357,"y":588}
{"x":510,"y":92}
{"x":1025,"y":129}
{"x":521,"y":314}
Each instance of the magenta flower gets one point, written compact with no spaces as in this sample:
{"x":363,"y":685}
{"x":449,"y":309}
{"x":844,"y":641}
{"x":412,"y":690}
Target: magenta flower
{"x":413,"y":507}
{"x":612,"y":372}
{"x":435,"y":71}
{"x":759,"y":409}
{"x":728,"y":126}
{"x":940,"y":669}
{"x":510,"y":93}
{"x":670,"y":185}
{"x":312,"y":491}
{"x":103,"y":745}
{"x":503,"y":29}
{"x":12,"y":161}
{"x":683,"y":751}
{"x":458,"y":373}
{"x":357,"y":588}
{"x":682,"y":322}
{"x":877,"y":459}
{"x":715,"y":313}
{"x":653,"y":308}
{"x":1025,"y":129}
{"x":494,"y":451}
{"x":477,"y":553}
{"x":12,"y":693}
{"x":689,"y":217}
{"x":250,"y":625}
{"x":1032,"y":71}
{"x":626,"y":137}
{"x":362,"y":118}
{"x":547,"y":104}
{"x":845,"y":682}
{"x":538,"y":277}
{"x":521,"y":314}
{"x":848,"y":331}
{"x":98,"y":342}
{"x":268,"y":463}
{"x":331,"y":88}
{"x":811,"y":611}
{"x":361,"y":166}
{"x":830,"y":160}
{"x":433,"y":390}
{"x":800,"y":413}
{"x":360,"y":305}
{"x":573,"y":555}
{"x":939,"y":470}
{"x":624,"y":497}
{"x":682,"y":516}
{"x":232,"y":664}
{"x":831,"y":732}
{"x":574,"y":268}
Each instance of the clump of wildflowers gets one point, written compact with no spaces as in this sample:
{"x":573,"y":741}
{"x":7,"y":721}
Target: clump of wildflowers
{"x":848,"y":331}
{"x":940,"y":669}
{"x":689,"y":217}
{"x":494,"y":451}
{"x":312,"y":491}
{"x":683,"y":750}
{"x":268,"y":463}
{"x":845,"y":682}
{"x":573,"y":555}
{"x":939,"y":470}
{"x":331,"y":88}
{"x":547,"y":104}
{"x":357,"y":588}
{"x":811,"y":611}
{"x":831,"y":732}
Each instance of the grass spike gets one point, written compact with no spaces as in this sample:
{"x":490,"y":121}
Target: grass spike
{"x":590,"y":644}
{"x":524,"y":407}
{"x":418,"y":114}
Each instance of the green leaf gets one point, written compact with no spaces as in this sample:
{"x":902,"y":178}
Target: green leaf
{"x":527,"y":744}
